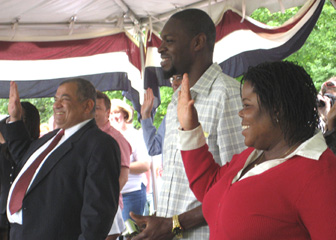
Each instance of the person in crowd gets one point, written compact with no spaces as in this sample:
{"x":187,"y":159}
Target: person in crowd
{"x":67,"y":181}
{"x":31,"y":120}
{"x":44,"y":128}
{"x":327,"y":111}
{"x":282,"y":185}
{"x":154,"y":138}
{"x":103,"y":107}
{"x":188,"y":40}
{"x":134,"y":191}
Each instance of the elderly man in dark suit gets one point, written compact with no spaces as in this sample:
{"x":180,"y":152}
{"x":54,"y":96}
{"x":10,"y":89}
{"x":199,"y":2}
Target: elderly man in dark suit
{"x":72,"y":193}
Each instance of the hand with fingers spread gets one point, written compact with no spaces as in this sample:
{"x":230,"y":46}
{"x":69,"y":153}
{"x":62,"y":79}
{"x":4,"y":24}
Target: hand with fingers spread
{"x":155,"y":228}
{"x":14,"y":105}
{"x":186,"y":111}
{"x":147,"y":106}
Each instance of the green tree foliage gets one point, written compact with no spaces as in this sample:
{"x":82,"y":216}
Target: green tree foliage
{"x":43,"y":105}
{"x":318,"y":54}
{"x":166,"y":93}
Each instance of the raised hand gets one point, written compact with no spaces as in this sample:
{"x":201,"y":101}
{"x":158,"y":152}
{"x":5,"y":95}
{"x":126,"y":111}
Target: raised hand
{"x":14,"y":105}
{"x":147,"y":106}
{"x":186,"y":111}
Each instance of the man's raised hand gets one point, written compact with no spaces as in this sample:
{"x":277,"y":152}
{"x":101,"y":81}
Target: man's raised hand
{"x":14,"y":105}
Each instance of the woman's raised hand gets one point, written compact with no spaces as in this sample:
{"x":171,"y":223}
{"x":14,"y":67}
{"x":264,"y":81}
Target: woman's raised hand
{"x":186,"y":111}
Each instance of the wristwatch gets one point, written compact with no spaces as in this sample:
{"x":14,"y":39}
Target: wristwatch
{"x":177,"y":228}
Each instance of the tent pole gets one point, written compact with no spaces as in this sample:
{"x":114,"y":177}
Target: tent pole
{"x":142,"y":55}
{"x":152,"y":171}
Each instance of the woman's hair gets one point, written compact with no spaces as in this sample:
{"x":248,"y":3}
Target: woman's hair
{"x":287,"y":93}
{"x":31,"y":119}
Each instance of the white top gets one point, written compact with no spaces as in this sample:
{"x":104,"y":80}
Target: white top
{"x":139,"y":153}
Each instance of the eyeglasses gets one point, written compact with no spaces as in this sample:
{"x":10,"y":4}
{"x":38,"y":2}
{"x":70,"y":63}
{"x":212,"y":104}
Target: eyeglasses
{"x":175,"y":78}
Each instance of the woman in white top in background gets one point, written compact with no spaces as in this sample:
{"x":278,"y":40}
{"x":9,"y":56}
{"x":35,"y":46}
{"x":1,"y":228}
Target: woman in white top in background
{"x":134,"y":192}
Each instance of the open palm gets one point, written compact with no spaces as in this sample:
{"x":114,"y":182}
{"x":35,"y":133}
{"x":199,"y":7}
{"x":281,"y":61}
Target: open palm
{"x":186,"y":111}
{"x":14,"y":105}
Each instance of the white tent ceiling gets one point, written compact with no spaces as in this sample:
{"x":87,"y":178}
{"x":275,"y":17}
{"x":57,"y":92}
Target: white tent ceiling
{"x":55,"y":20}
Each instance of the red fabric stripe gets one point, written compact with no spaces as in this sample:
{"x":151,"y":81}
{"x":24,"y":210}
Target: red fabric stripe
{"x":231,"y":22}
{"x":155,"y":41}
{"x":68,"y":49}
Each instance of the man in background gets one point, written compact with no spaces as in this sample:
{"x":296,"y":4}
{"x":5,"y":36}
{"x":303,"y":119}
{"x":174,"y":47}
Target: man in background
{"x":154,"y":138}
{"x":103,"y":108}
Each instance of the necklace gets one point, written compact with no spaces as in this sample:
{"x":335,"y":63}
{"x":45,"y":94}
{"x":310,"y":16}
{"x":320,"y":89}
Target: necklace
{"x":259,"y":160}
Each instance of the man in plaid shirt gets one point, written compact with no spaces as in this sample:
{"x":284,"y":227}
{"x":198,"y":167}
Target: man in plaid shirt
{"x":188,"y":40}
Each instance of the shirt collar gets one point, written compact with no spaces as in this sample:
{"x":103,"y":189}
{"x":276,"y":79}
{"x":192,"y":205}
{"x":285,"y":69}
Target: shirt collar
{"x":203,"y":85}
{"x":106,"y":126}
{"x":312,"y":148}
{"x":70,"y":131}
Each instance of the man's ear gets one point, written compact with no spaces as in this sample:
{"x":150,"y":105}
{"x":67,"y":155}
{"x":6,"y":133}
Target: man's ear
{"x":199,"y":41}
{"x":88,"y":105}
{"x":107,"y":113}
{"x":276,"y":116}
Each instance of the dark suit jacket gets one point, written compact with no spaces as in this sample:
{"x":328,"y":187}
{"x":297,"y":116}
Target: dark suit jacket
{"x":7,"y":167}
{"x":75,"y":194}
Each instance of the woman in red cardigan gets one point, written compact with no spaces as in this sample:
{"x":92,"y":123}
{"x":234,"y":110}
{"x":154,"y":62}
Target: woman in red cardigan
{"x":283,"y":186}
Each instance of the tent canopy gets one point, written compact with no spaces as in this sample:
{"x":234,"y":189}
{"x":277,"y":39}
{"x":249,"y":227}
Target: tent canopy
{"x":43,"y":42}
{"x":56,"y":20}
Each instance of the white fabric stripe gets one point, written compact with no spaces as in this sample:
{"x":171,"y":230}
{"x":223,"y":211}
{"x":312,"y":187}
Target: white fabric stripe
{"x":66,"y":67}
{"x":28,"y":70}
{"x":153,"y":58}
